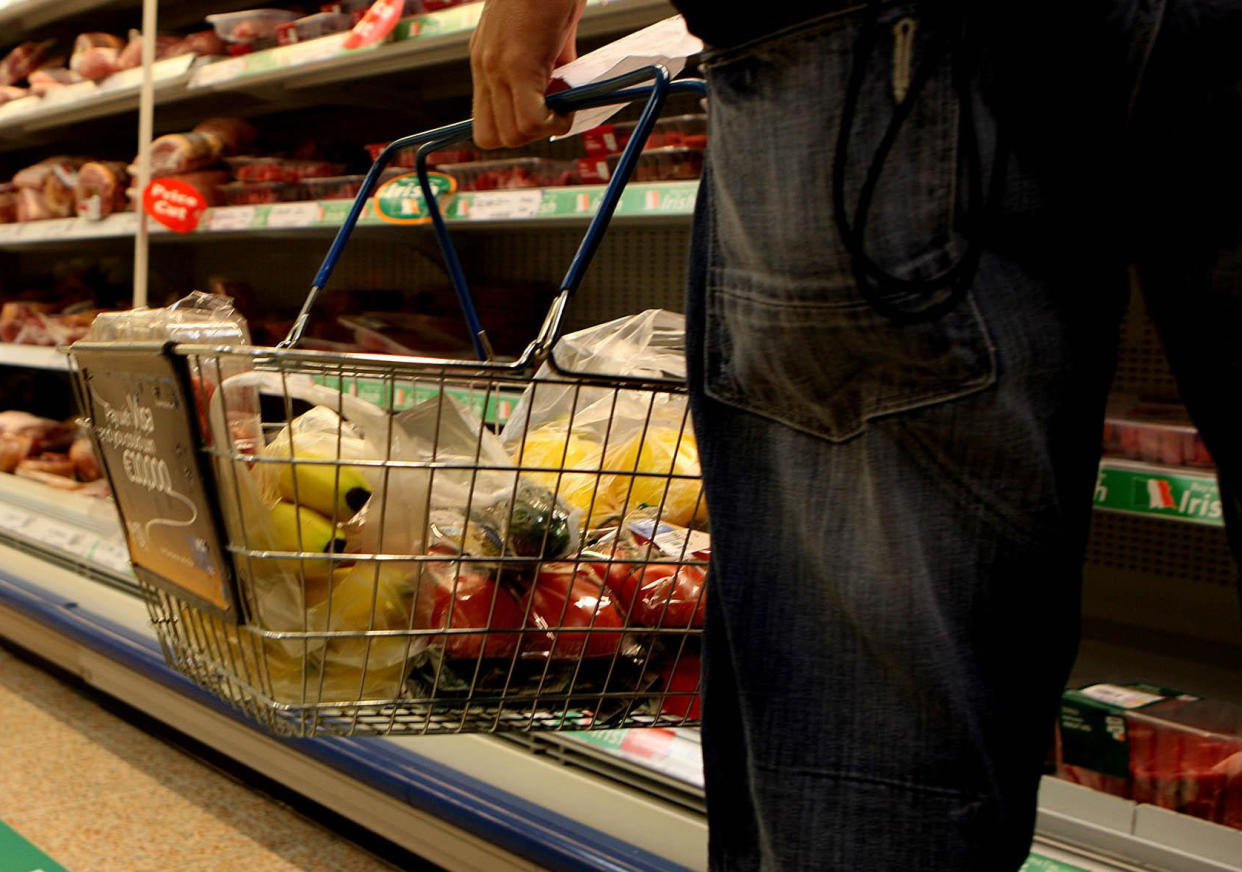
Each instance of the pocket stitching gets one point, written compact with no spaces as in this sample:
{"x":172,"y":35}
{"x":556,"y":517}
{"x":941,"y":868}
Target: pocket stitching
{"x":718,"y":387}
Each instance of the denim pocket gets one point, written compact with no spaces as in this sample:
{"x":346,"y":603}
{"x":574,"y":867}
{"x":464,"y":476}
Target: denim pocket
{"x":776,"y":348}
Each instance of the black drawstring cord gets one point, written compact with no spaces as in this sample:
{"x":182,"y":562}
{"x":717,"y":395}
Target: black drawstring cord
{"x":880,"y":288}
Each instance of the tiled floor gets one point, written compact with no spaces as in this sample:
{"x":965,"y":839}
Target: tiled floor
{"x":100,"y":795}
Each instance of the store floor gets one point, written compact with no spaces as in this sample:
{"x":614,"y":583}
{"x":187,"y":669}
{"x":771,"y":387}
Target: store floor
{"x":99,"y":794}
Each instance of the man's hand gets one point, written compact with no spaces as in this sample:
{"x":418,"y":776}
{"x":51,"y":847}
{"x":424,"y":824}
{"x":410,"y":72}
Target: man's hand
{"x":512,"y":54}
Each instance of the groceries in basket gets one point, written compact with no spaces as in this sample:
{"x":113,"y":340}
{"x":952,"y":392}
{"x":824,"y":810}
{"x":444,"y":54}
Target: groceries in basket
{"x":609,"y":450}
{"x":388,"y":559}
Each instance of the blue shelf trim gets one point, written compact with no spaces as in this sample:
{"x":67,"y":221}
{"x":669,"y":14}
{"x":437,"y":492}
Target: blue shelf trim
{"x":496,"y":816}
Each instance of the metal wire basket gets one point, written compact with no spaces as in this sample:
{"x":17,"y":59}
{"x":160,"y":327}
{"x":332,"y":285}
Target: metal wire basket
{"x":345,"y":544}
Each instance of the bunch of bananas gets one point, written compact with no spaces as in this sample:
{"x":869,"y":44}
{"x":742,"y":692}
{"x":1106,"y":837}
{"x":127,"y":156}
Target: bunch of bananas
{"x":317,"y":495}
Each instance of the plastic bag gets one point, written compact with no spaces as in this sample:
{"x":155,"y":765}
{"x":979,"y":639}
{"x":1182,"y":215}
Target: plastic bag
{"x":607,"y":451}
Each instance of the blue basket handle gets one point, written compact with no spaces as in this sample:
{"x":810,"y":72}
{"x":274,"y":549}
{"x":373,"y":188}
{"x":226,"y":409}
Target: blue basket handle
{"x":619,"y":89}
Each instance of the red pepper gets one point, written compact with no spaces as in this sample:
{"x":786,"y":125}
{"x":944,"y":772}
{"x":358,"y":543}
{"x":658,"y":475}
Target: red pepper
{"x":567,"y":596}
{"x":665,"y":595}
{"x":471,"y":601}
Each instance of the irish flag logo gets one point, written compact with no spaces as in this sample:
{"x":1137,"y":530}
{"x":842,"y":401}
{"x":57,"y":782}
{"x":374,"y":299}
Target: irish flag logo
{"x":1160,"y":494}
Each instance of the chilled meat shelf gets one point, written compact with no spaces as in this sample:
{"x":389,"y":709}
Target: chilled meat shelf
{"x":432,"y":39}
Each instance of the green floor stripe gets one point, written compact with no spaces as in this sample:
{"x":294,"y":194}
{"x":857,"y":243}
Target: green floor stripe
{"x":18,"y":855}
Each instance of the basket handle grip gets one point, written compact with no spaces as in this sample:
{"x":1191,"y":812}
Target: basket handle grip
{"x":619,"y":89}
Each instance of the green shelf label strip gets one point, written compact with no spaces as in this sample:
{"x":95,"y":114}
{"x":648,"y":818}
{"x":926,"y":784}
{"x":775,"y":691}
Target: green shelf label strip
{"x":1167,"y":493}
{"x":527,"y":204}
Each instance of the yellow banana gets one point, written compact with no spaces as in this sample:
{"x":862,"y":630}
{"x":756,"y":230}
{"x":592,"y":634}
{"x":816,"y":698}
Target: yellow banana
{"x":298,"y":528}
{"x":333,"y":491}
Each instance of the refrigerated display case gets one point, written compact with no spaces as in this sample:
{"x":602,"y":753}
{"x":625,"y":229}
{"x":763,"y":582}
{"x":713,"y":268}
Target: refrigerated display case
{"x":1159,"y":600}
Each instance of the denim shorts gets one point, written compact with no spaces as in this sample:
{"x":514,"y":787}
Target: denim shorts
{"x":899,"y":511}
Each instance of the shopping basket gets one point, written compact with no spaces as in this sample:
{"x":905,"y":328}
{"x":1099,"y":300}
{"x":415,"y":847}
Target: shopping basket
{"x":341,"y":543}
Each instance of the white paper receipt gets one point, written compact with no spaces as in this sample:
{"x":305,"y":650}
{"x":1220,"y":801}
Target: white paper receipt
{"x":666,"y":42}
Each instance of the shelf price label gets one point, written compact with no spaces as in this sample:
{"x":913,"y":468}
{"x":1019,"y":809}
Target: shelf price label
{"x":501,"y":205}
{"x":400,"y":200}
{"x":113,"y":555}
{"x":224,"y":218}
{"x":304,"y":214}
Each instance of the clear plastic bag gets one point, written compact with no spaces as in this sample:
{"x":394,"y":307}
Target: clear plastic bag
{"x":607,"y":451}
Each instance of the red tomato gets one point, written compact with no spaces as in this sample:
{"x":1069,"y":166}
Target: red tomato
{"x":665,"y":595}
{"x":471,"y":604}
{"x":568,"y":595}
{"x":679,"y":679}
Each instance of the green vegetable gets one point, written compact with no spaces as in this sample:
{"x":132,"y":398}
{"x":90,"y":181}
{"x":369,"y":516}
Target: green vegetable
{"x":538,"y":524}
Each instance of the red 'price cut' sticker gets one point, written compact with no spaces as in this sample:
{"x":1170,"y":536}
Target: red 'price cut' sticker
{"x":379,"y":21}
{"x":175,"y":203}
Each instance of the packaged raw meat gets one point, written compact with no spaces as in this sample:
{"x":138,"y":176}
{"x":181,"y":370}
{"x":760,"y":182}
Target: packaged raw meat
{"x":63,"y":167}
{"x":182,"y":153}
{"x":165,"y":47}
{"x":23,"y":60}
{"x":14,"y":449}
{"x":8,"y":203}
{"x":343,"y":187}
{"x":26,"y":323}
{"x":48,"y":463}
{"x":520,"y":172}
{"x":435,"y":159}
{"x":253,"y":193}
{"x":205,"y":43}
{"x":1154,"y":433}
{"x":279,"y":169}
{"x":45,"y":190}
{"x":235,"y":135}
{"x":96,"y":55}
{"x":1186,"y":755}
{"x":32,"y":206}
{"x":664,"y":164}
{"x":249,"y":25}
{"x":44,"y":434}
{"x":47,"y":79}
{"x":313,"y":26}
{"x":101,"y":188}
{"x":85,"y":463}
{"x":689,"y":131}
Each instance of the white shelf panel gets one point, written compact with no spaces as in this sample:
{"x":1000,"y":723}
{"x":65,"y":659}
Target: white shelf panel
{"x":32,"y":356}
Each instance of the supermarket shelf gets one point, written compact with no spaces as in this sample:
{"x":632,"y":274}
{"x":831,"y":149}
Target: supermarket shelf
{"x":422,"y":41}
{"x":463,"y":802}
{"x":80,"y":533}
{"x":534,"y":207}
{"x":1167,"y":492}
{"x":20,"y":120}
{"x":478,"y":802}
{"x":1143,"y":835}
{"x":32,"y":356}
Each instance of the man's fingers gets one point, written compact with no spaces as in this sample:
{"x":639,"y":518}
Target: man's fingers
{"x":485,"y":133}
{"x":532,"y":117}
